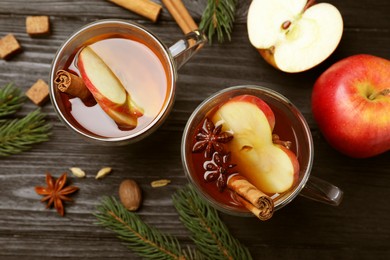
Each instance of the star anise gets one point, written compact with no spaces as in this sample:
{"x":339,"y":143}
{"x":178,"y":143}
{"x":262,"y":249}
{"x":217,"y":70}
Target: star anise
{"x":56,"y":192}
{"x":218,"y":169}
{"x":210,"y":139}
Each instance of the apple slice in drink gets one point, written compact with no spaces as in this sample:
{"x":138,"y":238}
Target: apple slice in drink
{"x":107,"y":89}
{"x":272,"y":168}
{"x":294,"y":35}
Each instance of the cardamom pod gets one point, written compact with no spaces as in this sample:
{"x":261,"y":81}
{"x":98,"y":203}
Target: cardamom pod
{"x":103,"y":172}
{"x":160,"y":183}
{"x":78,"y":172}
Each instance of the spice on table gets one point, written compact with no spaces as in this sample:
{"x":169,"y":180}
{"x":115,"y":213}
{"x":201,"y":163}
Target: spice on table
{"x":181,"y":15}
{"x":103,"y":172}
{"x":130,"y":194}
{"x":38,"y":93}
{"x":78,"y":172}
{"x":9,"y":46}
{"x":71,"y":84}
{"x":145,"y":8}
{"x":160,"y":183}
{"x":37,"y":25}
{"x":56,"y":192}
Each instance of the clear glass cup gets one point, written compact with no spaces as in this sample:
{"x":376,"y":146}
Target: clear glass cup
{"x":313,"y":188}
{"x":173,"y":58}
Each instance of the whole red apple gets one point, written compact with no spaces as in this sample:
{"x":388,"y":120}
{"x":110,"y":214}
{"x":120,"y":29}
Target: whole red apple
{"x":351,"y":104}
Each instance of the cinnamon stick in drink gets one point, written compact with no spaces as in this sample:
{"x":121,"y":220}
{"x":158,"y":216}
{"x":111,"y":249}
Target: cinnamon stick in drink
{"x":71,"y":84}
{"x":260,"y":213}
{"x":256,"y":201}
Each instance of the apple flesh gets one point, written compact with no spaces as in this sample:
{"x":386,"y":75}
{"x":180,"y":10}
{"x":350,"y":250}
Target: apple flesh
{"x":107,"y":89}
{"x":351,"y":105}
{"x":294,"y":35}
{"x":272,"y":168}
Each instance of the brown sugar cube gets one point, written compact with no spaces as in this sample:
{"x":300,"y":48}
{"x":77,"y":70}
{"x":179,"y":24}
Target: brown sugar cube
{"x":9,"y":46}
{"x":37,"y":25}
{"x":38,"y":93}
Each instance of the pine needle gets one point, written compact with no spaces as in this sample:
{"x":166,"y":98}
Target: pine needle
{"x":218,"y":18}
{"x":11,"y":99}
{"x":17,"y":135}
{"x":144,"y":240}
{"x":209,"y":233}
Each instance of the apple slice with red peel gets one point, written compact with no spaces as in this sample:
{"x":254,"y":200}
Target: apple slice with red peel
{"x":107,"y":89}
{"x":272,"y":168}
{"x":294,"y":35}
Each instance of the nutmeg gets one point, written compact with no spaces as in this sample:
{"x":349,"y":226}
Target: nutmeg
{"x":130,"y":194}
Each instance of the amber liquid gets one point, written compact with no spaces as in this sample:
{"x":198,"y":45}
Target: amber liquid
{"x":283,"y":128}
{"x":142,"y":73}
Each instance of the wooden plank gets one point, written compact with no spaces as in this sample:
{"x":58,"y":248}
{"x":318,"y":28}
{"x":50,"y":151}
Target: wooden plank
{"x":303,"y":230}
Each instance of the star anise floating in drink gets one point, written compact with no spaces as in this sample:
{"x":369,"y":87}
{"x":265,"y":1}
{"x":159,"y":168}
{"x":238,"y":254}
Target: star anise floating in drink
{"x":56,"y":192}
{"x":218,"y":169}
{"x":211,"y":139}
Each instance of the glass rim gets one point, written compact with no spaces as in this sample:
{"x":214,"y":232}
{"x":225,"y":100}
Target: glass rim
{"x":275,"y":95}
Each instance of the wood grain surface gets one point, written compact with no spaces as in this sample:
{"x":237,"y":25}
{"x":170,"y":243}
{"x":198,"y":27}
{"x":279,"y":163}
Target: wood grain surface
{"x":358,"y":229}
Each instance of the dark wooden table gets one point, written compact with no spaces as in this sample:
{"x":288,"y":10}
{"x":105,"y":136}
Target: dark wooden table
{"x":358,"y":229}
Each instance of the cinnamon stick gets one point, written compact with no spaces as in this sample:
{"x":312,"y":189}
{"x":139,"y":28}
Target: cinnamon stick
{"x":254,"y":197}
{"x":71,"y":84}
{"x":181,"y":15}
{"x":261,"y":214}
{"x":145,"y":8}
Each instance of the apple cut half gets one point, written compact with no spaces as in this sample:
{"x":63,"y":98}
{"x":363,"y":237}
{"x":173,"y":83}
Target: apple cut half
{"x":108,"y":90}
{"x":295,"y":35}
{"x":272,"y":168}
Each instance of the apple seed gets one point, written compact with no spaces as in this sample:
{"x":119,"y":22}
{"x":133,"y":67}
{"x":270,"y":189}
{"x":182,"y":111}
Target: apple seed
{"x":286,"y":25}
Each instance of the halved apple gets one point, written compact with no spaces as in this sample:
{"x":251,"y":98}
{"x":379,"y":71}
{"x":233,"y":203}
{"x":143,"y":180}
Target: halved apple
{"x":108,"y":90}
{"x":272,"y":168}
{"x":294,"y":35}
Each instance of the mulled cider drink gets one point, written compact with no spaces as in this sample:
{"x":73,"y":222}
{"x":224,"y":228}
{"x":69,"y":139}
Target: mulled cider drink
{"x":247,"y":149}
{"x":131,"y":76}
{"x":113,"y":81}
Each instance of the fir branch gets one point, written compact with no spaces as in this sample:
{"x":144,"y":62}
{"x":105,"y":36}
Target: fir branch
{"x":209,"y":233}
{"x":218,"y":18}
{"x":144,"y":240}
{"x":11,"y":99}
{"x":17,"y":135}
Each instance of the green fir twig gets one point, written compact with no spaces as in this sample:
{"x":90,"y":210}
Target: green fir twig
{"x":17,"y":135}
{"x":209,"y":233}
{"x":218,"y":18}
{"x":11,"y":99}
{"x":143,"y":239}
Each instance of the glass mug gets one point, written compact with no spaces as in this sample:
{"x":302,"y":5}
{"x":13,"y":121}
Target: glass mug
{"x":313,"y":188}
{"x":171,"y":58}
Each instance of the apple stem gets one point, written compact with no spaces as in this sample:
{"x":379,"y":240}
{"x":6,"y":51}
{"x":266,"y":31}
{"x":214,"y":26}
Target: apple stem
{"x":384,"y":92}
{"x":308,"y":5}
{"x":276,"y":140}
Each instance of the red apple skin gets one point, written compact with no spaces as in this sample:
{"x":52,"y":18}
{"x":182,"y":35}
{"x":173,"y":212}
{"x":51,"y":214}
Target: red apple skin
{"x":103,"y":100}
{"x":349,"y":108}
{"x":269,"y":114}
{"x":294,"y":161}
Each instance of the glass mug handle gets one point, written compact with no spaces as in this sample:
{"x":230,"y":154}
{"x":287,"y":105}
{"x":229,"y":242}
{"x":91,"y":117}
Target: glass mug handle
{"x":322,"y":191}
{"x":185,"y":48}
